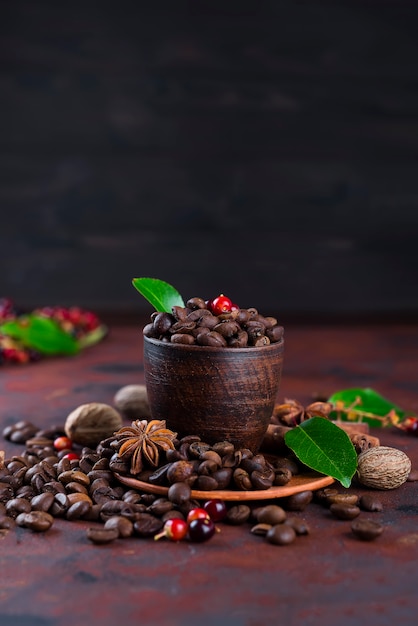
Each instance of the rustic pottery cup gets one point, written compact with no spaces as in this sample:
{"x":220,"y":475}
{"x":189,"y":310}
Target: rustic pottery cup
{"x":217,"y":393}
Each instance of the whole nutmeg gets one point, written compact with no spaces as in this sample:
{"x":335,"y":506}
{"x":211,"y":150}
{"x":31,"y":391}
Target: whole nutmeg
{"x":383,"y":467}
{"x":89,"y":423}
{"x":132,"y":402}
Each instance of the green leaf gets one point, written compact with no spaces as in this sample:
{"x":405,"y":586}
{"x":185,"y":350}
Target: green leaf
{"x":40,"y":333}
{"x":325,"y":448}
{"x":160,"y":294}
{"x":364,"y":405}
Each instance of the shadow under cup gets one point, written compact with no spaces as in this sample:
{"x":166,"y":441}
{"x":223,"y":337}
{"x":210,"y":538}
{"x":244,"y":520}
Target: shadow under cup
{"x":216,"y":393}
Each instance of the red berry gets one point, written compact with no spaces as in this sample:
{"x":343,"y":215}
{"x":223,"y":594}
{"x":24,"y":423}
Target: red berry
{"x":410,"y":425}
{"x":197,"y":513}
{"x":89,"y":320}
{"x":234,"y":307}
{"x":216,"y":509}
{"x":220,"y":305}
{"x":201,"y":530}
{"x":174,"y":529}
{"x":63,"y":443}
{"x":71,"y":456}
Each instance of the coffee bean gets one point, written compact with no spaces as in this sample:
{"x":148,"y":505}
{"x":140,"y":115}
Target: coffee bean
{"x":182,"y":338}
{"x":74,"y":487}
{"x":242,"y":479}
{"x":366,"y":530}
{"x":74,"y":475}
{"x":59,"y":505}
{"x":123,"y":525}
{"x":147,"y":525}
{"x":131,"y":496}
{"x":260,"y":529}
{"x":54,"y":486}
{"x":195,"y":303}
{"x":281,"y":534}
{"x":211,"y":339}
{"x":282,"y":476}
{"x":42,"y":502}
{"x":344,"y":511}
{"x":7,"y":523}
{"x":102,"y":535}
{"x":238,"y":514}
{"x":174,"y":513}
{"x":25,"y":491}
{"x":223,"y":477}
{"x":6,"y":492}
{"x":78,"y":510}
{"x":38,"y":521}
{"x":162,"y":323}
{"x":271,"y":514}
{"x":343,"y":498}
{"x":160,"y":506}
{"x":298,"y":501}
{"x":16,"y":506}
{"x":78,"y":497}
{"x":206,"y":483}
{"x":322,"y":495}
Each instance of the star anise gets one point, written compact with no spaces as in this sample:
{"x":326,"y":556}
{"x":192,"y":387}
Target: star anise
{"x":293,"y":412}
{"x":142,"y":441}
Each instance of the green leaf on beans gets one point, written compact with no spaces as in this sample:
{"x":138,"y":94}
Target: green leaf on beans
{"x":160,"y":294}
{"x":40,"y":333}
{"x":365,"y":405}
{"x":325,"y":448}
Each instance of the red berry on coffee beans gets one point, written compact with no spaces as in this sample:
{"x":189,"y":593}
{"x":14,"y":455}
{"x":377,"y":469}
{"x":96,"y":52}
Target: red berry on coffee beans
{"x":220,"y":305}
{"x":197,"y":513}
{"x":63,"y":443}
{"x":71,"y":456}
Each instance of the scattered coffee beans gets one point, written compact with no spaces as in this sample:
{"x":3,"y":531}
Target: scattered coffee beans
{"x":41,"y":484}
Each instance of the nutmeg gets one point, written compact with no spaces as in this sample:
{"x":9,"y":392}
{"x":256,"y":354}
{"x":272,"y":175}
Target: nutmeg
{"x":132,"y":402}
{"x":89,"y":423}
{"x":382,"y":467}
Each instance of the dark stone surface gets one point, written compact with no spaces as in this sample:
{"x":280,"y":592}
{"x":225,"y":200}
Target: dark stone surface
{"x":267,"y":150}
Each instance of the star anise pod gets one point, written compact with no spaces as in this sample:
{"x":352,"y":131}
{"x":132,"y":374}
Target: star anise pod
{"x":293,"y":412}
{"x":142,"y":441}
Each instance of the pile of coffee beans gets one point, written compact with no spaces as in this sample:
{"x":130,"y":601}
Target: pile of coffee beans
{"x":43,"y":483}
{"x":209,"y":467}
{"x":196,"y":324}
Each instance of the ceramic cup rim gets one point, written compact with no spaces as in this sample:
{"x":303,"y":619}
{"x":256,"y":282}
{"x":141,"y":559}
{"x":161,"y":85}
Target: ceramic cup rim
{"x":224,"y":349}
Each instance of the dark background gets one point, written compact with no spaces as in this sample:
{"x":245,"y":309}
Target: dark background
{"x":267,"y":150}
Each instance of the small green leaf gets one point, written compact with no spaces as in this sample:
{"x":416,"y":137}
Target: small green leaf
{"x":325,"y":448}
{"x":365,"y":405}
{"x":40,"y":333}
{"x":93,"y":337}
{"x":160,"y":294}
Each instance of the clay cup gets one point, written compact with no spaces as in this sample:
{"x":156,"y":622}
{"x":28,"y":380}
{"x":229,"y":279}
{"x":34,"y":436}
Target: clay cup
{"x":217,"y":393}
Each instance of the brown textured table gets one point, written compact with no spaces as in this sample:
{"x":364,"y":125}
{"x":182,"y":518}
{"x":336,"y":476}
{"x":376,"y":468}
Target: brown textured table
{"x":328,"y":577}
